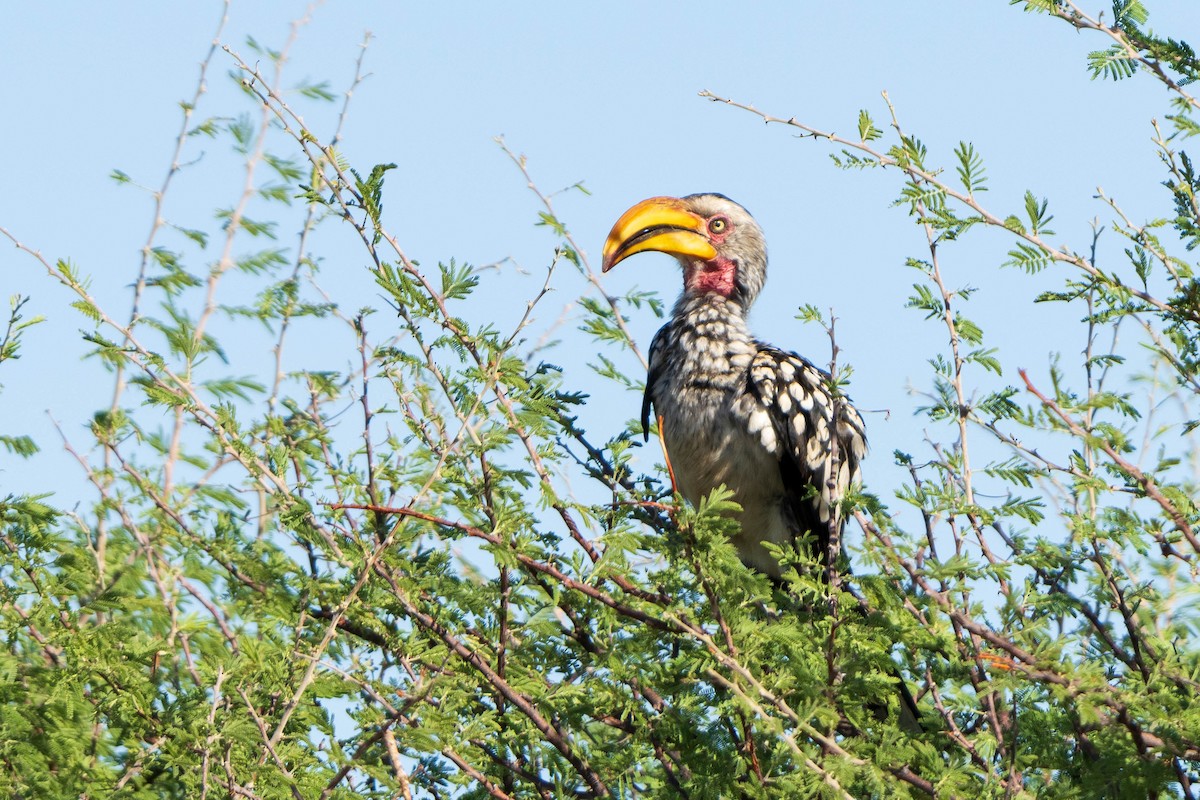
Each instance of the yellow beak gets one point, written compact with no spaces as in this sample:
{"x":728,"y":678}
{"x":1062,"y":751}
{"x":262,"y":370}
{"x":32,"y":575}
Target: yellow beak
{"x":663,"y":224}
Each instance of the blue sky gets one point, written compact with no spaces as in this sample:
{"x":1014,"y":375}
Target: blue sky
{"x":600,"y":93}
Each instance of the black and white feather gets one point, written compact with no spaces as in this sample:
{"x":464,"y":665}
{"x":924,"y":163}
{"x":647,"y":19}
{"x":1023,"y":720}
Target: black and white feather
{"x":755,"y":418}
{"x":734,"y":411}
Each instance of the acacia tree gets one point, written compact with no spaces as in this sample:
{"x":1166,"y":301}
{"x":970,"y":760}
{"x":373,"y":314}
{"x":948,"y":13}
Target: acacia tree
{"x":420,"y":577}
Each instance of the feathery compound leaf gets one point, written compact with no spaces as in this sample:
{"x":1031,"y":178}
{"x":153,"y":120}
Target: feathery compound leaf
{"x":22,"y":446}
{"x":970,"y":168}
{"x":922,"y":195}
{"x":1029,"y":258}
{"x":1039,"y":218}
{"x":867,"y":131}
{"x":316,"y":91}
{"x":1039,"y":6}
{"x":1129,"y":13}
{"x":809,"y":313}
{"x":199,"y":237}
{"x":88,"y":309}
{"x":370,"y":193}
{"x":458,"y":280}
{"x":494,"y":604}
{"x":1114,"y":63}
{"x":926,"y":301}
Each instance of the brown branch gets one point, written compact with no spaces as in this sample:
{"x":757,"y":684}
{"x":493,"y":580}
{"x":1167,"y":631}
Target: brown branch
{"x":389,"y":741}
{"x":1073,"y":15}
{"x":589,"y":273}
{"x":968,"y":200}
{"x":1146,"y":482}
{"x":534,"y":564}
{"x":269,"y":743}
{"x":560,"y":739}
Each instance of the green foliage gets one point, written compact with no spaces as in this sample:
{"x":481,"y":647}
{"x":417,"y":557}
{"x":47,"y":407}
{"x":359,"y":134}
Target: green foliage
{"x":369,"y":196}
{"x":866,"y":127}
{"x":970,"y":168}
{"x":10,"y":343}
{"x":416,"y":574}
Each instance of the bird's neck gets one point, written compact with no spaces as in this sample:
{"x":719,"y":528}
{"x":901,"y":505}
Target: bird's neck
{"x":710,"y":305}
{"x":705,"y":320}
{"x":699,"y":361}
{"x":718,"y":276}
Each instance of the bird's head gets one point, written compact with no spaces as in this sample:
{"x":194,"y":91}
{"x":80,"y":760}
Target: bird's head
{"x":716,"y":241}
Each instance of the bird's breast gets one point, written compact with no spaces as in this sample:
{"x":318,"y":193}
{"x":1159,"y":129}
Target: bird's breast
{"x":715,"y":430}
{"x":710,"y":445}
{"x":712,"y":432}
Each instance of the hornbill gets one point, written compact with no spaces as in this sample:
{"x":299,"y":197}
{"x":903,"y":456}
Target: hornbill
{"x":733,"y":410}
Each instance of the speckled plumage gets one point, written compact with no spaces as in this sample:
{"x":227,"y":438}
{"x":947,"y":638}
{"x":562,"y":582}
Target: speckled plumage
{"x":739,"y":412}
{"x":734,"y":410}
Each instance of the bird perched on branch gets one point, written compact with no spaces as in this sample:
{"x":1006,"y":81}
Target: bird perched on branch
{"x":732,"y":409}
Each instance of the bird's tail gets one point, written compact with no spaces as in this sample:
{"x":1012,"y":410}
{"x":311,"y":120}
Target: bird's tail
{"x":910,"y":715}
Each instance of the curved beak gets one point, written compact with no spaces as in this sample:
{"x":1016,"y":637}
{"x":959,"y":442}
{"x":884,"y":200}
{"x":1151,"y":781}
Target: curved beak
{"x":663,"y":224}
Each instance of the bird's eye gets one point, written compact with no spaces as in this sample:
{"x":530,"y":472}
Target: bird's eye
{"x":718,"y":225}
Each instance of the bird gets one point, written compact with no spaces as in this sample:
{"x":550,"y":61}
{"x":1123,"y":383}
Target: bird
{"x":732,"y":410}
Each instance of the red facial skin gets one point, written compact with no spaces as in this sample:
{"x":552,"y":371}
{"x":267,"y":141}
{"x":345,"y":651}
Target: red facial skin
{"x":716,"y":276}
